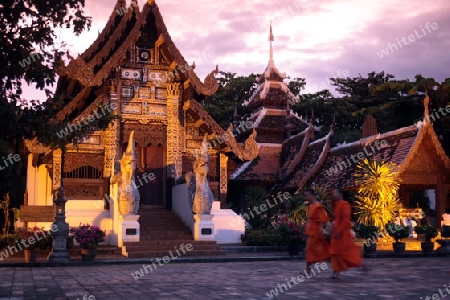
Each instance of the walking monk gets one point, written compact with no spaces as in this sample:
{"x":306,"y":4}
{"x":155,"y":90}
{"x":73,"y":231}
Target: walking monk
{"x":316,"y":245}
{"x":344,"y":253}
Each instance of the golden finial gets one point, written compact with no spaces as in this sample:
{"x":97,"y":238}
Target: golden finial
{"x":426,"y":102}
{"x":271,"y":38}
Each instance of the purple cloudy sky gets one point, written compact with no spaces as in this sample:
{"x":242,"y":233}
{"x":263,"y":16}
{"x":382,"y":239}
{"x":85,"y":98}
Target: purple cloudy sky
{"x":314,"y":39}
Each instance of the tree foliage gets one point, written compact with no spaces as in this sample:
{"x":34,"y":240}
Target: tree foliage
{"x":29,"y":53}
{"x":232,"y":92}
{"x":377,"y":197}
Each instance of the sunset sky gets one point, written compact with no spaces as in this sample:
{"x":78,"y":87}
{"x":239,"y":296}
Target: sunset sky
{"x":314,"y":39}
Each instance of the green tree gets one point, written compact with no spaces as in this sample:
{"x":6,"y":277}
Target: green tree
{"x":28,"y":53}
{"x":232,"y":92}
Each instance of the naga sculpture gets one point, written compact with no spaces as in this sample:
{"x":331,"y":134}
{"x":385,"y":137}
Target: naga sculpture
{"x":203,"y":196}
{"x":128,"y":193}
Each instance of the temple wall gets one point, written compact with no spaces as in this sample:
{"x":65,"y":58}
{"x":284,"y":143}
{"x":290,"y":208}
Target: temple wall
{"x":39,"y":184}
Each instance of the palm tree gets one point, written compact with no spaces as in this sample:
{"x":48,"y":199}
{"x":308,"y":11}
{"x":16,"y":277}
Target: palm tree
{"x":377,"y":199}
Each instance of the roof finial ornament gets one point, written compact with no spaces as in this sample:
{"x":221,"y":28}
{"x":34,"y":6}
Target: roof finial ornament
{"x":426,"y":102}
{"x":271,"y":38}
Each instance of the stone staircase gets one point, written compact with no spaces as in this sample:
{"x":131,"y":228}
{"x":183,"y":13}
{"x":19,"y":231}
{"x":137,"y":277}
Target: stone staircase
{"x":163,"y":233}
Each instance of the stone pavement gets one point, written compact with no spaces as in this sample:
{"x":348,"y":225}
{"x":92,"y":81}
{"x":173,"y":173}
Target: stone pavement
{"x":389,"y":278}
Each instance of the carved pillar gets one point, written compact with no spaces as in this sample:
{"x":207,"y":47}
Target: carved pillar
{"x":223,"y":179}
{"x":111,"y":141}
{"x":174,"y":131}
{"x":57,"y":163}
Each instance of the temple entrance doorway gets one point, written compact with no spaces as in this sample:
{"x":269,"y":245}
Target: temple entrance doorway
{"x":151,"y":179}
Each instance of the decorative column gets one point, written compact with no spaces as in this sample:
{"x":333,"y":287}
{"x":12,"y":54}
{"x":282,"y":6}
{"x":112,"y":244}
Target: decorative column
{"x":112,"y":139}
{"x":57,"y":164}
{"x":174,"y":131}
{"x":223,"y":186}
{"x":60,"y":230}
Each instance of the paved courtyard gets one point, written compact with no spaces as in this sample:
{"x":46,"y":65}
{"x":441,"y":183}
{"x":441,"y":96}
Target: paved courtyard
{"x":389,"y":278}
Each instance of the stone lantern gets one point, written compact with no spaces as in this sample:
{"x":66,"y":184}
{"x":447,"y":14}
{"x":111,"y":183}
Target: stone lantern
{"x":60,"y":230}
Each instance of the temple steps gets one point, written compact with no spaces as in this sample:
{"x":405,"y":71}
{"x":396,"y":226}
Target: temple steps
{"x":173,"y":254}
{"x":162,"y":234}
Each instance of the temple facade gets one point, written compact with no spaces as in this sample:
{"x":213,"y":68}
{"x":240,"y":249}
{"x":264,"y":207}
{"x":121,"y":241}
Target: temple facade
{"x":135,"y":70}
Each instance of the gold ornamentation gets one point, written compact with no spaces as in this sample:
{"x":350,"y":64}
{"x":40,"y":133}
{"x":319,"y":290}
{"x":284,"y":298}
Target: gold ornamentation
{"x":146,"y":134}
{"x":223,"y":161}
{"x":74,"y":160}
{"x":111,"y":143}
{"x":174,"y":132}
{"x":57,"y":161}
{"x":78,"y":189}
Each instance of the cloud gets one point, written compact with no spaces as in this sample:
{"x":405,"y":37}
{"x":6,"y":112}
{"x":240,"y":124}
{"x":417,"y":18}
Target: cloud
{"x":313,"y":39}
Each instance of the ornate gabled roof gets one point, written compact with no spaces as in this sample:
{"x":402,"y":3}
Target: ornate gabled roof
{"x":93,"y":67}
{"x":340,"y":166}
{"x":264,"y":167}
{"x":114,"y":21}
{"x":294,"y":150}
{"x":426,"y":131}
{"x":312,"y":161}
{"x":245,"y":153}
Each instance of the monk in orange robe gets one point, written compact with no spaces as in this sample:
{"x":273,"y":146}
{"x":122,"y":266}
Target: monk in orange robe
{"x":316,"y":245}
{"x":344,"y":253}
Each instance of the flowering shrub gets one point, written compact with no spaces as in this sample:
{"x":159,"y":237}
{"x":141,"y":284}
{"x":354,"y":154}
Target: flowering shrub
{"x":31,"y":238}
{"x":88,"y":236}
{"x":262,"y":237}
{"x":290,"y":232}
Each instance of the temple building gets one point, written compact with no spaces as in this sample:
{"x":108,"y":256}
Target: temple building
{"x":290,"y":158}
{"x":135,"y":69}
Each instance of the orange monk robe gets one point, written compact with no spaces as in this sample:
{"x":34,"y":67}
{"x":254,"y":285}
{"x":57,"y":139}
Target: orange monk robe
{"x":316,"y":245}
{"x":344,"y":253}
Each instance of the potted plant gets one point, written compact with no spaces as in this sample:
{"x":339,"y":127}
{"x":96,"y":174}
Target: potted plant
{"x":398,"y":232}
{"x":88,"y":237}
{"x":429,"y":233}
{"x":292,"y":235}
{"x":31,"y":239}
{"x":369,"y":234}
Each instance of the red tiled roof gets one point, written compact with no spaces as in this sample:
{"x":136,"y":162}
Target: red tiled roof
{"x":339,"y":168}
{"x":265,"y":167}
{"x":308,"y":163}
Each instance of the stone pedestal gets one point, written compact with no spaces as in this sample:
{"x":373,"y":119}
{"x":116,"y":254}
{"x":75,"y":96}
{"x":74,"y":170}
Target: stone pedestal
{"x":129,"y":229}
{"x":203,"y":228}
{"x":228,"y":225}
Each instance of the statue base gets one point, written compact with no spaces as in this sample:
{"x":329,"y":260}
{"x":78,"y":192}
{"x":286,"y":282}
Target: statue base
{"x":59,"y":257}
{"x":204,"y":228}
{"x":129,"y":229}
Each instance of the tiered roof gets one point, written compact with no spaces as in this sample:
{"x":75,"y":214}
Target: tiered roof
{"x":272,"y":91}
{"x":90,"y":71}
{"x":303,"y":162}
{"x":87,"y":80}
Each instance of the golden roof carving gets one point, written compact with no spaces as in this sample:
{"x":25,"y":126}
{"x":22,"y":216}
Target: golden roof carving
{"x":250,"y":149}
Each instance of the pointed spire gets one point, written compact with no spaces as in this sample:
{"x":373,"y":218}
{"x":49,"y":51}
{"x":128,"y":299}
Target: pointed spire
{"x":271,"y":38}
{"x":426,"y":102}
